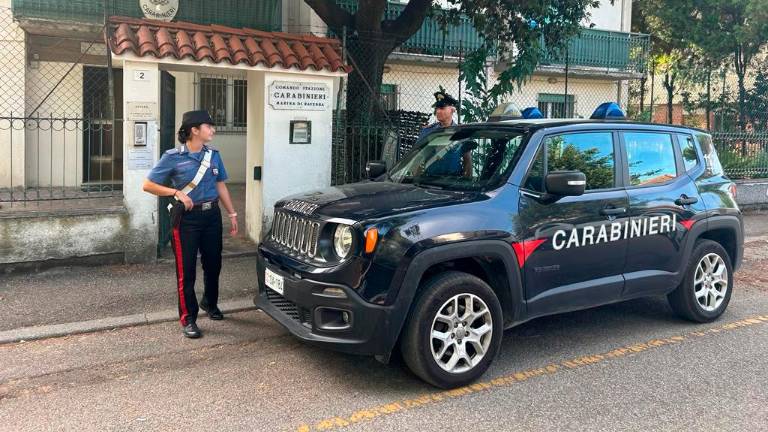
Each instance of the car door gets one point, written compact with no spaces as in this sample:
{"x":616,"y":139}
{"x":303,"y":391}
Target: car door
{"x":663,"y":204}
{"x":579,"y":252}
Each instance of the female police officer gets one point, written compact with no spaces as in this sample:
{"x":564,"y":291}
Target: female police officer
{"x":197,"y":175}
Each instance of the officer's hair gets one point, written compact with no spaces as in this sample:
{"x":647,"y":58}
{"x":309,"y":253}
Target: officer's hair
{"x":184,"y":134}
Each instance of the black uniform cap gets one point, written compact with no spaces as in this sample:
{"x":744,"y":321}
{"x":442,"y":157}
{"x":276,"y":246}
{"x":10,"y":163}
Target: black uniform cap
{"x":196,"y":118}
{"x":443,"y":99}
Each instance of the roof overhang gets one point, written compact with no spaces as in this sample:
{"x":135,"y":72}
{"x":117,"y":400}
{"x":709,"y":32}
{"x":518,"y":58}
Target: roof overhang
{"x":190,"y":45}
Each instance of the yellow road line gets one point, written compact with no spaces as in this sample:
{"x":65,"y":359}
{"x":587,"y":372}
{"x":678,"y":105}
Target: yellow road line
{"x":388,"y":409}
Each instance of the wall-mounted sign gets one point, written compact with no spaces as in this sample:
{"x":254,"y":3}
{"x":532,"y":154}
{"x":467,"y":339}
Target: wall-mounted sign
{"x":141,"y":75}
{"x":164,"y":10}
{"x":141,"y":111}
{"x":285,"y":95}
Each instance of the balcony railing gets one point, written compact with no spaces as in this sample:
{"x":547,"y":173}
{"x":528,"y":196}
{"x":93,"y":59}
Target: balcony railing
{"x":609,"y":50}
{"x":261,"y":14}
{"x":430,"y":39}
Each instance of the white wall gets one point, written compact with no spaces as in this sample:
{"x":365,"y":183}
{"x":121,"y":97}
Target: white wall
{"x":616,"y":17}
{"x":54,"y":148}
{"x":287,"y":169}
{"x":12,"y":89}
{"x":231,"y":146}
{"x":142,"y":226}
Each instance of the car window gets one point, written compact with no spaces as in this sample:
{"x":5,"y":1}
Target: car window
{"x":535,"y":179}
{"x":688,"y":150}
{"x":651,"y":158}
{"x":468,"y":159}
{"x":591,"y":153}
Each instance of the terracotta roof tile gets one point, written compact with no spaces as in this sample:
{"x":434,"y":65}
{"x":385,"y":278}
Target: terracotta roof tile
{"x":144,"y":37}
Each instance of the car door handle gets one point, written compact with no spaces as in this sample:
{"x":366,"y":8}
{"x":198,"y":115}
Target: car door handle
{"x":613,"y":211}
{"x":685,"y":200}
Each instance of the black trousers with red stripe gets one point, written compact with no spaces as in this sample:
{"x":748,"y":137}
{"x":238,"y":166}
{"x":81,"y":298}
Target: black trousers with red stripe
{"x":199,"y":230}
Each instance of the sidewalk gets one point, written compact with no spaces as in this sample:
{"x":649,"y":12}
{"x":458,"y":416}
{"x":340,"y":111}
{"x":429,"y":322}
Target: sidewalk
{"x":117,"y":295}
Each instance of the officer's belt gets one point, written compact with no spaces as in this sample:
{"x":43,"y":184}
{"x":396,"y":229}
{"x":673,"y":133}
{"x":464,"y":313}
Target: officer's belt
{"x":204,"y":164}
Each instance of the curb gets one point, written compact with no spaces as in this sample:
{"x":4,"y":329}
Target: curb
{"x":58,"y":330}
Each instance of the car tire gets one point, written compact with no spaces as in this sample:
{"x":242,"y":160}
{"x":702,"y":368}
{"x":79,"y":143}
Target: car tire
{"x":705,"y":291}
{"x":465,"y":348}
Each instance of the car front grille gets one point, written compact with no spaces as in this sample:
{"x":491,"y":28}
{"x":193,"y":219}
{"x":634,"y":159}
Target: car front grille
{"x":296,"y":233}
{"x":296,"y":313}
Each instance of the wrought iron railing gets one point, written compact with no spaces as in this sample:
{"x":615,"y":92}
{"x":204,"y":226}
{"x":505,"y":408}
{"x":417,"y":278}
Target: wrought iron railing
{"x":260,"y":14}
{"x":609,"y":50}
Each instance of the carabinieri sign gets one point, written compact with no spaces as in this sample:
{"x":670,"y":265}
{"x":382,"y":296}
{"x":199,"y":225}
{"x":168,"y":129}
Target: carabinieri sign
{"x":285,"y":95}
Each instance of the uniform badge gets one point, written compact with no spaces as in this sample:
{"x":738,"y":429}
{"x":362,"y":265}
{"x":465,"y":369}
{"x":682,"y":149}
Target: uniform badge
{"x":215,"y":171}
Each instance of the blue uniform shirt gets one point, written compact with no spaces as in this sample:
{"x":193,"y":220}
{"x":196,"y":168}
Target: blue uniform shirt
{"x":431,"y":128}
{"x":180,"y":166}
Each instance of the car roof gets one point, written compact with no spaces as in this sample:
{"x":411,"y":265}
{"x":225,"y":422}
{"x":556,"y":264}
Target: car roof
{"x":547,"y":123}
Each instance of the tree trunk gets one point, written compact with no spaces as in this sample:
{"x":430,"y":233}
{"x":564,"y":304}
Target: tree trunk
{"x":367,"y":56}
{"x":669,"y":84}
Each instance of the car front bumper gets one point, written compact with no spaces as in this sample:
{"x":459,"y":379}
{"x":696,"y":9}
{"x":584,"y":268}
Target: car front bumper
{"x":317,"y":318}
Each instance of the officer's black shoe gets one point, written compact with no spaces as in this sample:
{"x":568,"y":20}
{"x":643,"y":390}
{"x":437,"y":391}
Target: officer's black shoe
{"x":213,"y":313}
{"x":192,"y":331}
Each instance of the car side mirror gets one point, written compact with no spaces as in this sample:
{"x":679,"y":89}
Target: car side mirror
{"x":565,"y":183}
{"x":375,"y":169}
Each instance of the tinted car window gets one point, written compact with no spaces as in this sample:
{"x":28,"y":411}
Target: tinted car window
{"x":535,"y":179}
{"x":688,"y":150}
{"x":591,"y":153}
{"x":651,"y":158}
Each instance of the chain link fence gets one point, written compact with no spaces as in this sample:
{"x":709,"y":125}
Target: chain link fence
{"x":387,"y":98}
{"x":60,"y":120}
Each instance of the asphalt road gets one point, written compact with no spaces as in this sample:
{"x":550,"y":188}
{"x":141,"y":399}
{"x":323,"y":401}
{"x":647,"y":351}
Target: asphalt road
{"x":630,"y":366}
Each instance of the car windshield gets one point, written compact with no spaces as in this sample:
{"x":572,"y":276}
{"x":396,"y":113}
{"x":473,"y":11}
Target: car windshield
{"x":464,"y":159}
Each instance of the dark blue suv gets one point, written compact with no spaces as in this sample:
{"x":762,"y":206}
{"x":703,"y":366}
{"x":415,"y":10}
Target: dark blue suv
{"x":552,"y":216}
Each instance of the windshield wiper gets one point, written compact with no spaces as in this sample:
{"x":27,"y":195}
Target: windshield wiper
{"x":429,"y":186}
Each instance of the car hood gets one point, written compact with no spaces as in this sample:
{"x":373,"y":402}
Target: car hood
{"x":366,"y":200}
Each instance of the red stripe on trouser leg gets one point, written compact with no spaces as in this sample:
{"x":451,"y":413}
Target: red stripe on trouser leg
{"x":180,"y":275}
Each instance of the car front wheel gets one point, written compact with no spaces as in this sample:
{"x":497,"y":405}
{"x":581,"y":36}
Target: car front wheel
{"x":454,"y":331}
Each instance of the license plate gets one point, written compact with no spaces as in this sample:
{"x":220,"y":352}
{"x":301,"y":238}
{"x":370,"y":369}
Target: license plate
{"x":273,"y":281}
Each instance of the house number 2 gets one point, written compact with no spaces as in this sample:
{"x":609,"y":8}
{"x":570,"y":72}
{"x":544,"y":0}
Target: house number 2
{"x":141,"y":75}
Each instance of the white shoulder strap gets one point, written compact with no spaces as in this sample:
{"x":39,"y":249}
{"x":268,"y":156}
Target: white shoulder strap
{"x":204,"y":164}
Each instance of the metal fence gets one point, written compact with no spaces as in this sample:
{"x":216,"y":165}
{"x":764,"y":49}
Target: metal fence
{"x":709,"y":99}
{"x":60,"y":120}
{"x":385,"y":102}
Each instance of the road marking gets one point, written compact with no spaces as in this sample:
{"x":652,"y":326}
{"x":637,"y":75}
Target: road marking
{"x":363,"y":415}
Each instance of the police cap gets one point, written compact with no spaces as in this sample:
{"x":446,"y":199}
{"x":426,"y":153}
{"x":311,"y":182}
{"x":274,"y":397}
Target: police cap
{"x":192,"y":119}
{"x":443,"y":99}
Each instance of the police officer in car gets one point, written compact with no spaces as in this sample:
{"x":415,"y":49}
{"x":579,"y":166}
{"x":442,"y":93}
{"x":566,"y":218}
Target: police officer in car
{"x":196,"y":173}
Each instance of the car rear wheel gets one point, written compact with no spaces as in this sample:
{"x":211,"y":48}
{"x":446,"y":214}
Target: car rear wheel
{"x":706,"y":290}
{"x":454,"y":330}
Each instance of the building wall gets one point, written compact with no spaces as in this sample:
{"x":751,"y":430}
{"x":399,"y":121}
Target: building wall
{"x":54,"y":140}
{"x":52,"y":237}
{"x":12,"y":89}
{"x":615,"y":17}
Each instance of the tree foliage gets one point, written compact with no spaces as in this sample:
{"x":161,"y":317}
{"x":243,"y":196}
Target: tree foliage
{"x":516,"y":31}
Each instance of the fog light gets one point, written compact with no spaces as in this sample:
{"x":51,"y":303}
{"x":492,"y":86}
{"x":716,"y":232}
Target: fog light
{"x":345,"y":317}
{"x":334,"y":292}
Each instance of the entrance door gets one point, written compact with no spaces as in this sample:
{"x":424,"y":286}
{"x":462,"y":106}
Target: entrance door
{"x":102,"y":135}
{"x":167,"y":142}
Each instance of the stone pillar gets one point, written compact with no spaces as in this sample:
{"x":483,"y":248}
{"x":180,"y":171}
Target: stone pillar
{"x":141,"y":90}
{"x":286,"y":168}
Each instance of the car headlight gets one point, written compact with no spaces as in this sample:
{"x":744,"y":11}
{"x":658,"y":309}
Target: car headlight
{"x":342,"y":240}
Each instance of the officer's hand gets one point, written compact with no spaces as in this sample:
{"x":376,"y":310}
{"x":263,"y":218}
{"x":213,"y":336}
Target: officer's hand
{"x":188,"y":204}
{"x":233,"y":222}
